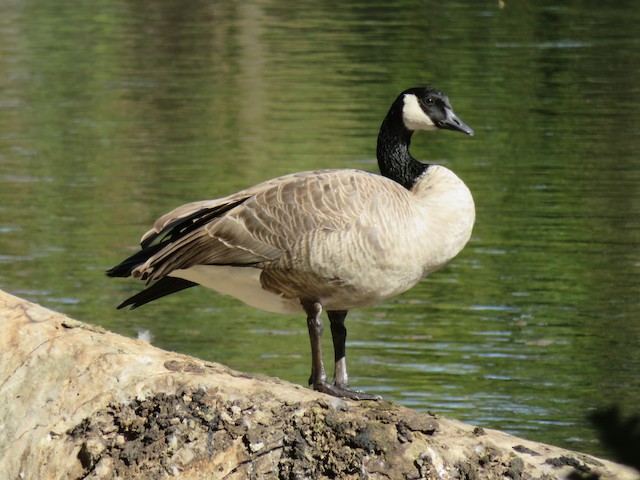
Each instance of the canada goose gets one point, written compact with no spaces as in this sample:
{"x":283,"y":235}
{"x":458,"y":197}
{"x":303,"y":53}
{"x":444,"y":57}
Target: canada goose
{"x":325,"y":239}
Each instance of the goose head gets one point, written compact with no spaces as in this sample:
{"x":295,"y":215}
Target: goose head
{"x":426,"y":108}
{"x":420,"y":108}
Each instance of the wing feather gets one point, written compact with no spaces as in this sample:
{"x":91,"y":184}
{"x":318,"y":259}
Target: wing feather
{"x":268,"y":224}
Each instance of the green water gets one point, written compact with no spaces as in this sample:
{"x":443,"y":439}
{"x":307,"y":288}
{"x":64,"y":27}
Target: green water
{"x":113,"y":112}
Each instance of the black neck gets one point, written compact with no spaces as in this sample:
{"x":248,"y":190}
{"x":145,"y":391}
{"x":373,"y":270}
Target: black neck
{"x":394,"y":160}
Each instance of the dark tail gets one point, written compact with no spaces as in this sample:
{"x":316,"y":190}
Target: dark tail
{"x":163,"y":287}
{"x":152,"y":245}
{"x":125,"y":268}
{"x":172,"y":232}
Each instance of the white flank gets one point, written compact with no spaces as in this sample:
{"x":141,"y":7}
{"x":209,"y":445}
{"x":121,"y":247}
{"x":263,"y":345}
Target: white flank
{"x":242,"y":283}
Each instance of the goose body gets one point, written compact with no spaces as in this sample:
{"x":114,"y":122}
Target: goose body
{"x":325,"y":239}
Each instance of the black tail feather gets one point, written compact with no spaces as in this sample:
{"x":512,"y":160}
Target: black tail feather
{"x":163,"y":287}
{"x":182,"y":226}
{"x":125,"y":268}
{"x":155,"y":243}
{"x":172,"y":232}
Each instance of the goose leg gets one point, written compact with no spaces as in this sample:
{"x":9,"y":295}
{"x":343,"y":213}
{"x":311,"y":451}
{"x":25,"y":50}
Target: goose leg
{"x":339,"y":336}
{"x":315,"y":325}
{"x":318,"y":380}
{"x":340,"y":377}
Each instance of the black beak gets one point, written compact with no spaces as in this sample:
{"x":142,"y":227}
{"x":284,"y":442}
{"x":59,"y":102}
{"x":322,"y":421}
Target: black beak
{"x":452,"y":122}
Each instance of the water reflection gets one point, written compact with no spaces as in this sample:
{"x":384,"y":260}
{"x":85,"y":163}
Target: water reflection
{"x":112,"y":113}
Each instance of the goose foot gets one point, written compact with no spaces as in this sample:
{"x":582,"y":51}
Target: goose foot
{"x":344,"y":392}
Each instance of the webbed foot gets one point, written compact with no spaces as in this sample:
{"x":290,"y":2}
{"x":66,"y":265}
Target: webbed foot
{"x":344,"y":392}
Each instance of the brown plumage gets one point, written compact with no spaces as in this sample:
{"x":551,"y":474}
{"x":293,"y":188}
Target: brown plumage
{"x":325,"y":239}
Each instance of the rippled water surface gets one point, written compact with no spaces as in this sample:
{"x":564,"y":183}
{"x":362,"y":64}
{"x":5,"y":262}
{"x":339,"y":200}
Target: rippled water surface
{"x":114,"y":112}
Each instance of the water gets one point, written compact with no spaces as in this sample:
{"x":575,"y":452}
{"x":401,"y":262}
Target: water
{"x":114,"y":112}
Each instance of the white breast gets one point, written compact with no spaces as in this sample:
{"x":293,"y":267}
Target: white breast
{"x":449,"y":215}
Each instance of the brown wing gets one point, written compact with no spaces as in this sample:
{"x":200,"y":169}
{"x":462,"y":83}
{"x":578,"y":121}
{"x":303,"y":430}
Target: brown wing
{"x":269,"y":223}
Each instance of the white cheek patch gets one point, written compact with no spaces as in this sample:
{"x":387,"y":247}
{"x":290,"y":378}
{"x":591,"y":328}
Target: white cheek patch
{"x":414,"y":117}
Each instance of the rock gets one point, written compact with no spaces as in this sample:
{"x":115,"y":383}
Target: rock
{"x":77,"y":402}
